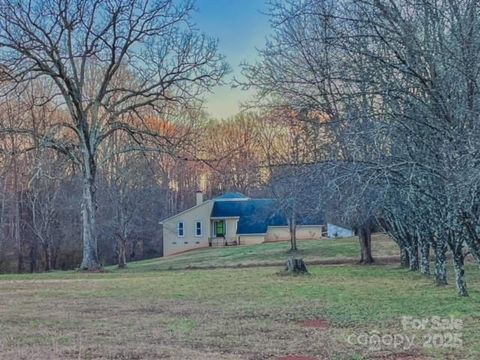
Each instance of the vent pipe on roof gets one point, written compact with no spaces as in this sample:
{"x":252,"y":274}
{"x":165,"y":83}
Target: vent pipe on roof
{"x":199,"y":197}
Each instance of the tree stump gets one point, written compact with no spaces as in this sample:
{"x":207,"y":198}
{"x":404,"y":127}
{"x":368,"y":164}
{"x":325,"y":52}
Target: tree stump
{"x":296,"y":266}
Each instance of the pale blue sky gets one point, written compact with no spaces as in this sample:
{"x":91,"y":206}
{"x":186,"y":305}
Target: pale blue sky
{"x":240,"y":27}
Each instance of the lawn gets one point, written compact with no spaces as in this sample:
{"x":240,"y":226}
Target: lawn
{"x":269,"y":253}
{"x":227,"y":313}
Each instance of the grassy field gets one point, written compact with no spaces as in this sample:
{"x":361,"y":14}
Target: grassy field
{"x":264,"y":254}
{"x":245,"y":313}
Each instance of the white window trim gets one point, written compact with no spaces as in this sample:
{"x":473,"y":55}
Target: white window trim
{"x":201,"y":228}
{"x":178,"y":229}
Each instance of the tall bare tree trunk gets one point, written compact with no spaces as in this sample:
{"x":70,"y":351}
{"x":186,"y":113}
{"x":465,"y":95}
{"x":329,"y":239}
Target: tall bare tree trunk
{"x":425,"y":258}
{"x":17,"y":235}
{"x":48,"y":257}
{"x":122,"y":252}
{"x":459,"y":267}
{"x":404,"y":258}
{"x":16,"y":224}
{"x":90,"y":252}
{"x":412,"y":248}
{"x":33,"y":254}
{"x":2,"y":220}
{"x":293,"y":234}
{"x":365,"y":238}
{"x":440,"y":248}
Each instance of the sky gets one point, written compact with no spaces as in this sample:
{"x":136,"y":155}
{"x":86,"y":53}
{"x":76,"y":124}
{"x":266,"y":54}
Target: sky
{"x":240,"y":27}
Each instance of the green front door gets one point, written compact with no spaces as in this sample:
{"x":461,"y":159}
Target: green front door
{"x":220,"y":228}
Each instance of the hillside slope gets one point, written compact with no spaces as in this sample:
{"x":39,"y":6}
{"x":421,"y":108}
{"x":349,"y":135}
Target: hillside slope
{"x":268,"y":253}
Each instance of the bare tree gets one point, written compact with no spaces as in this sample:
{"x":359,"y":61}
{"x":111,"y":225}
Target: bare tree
{"x":41,"y":199}
{"x":108,"y":62}
{"x":397,"y":83}
{"x":289,"y":147}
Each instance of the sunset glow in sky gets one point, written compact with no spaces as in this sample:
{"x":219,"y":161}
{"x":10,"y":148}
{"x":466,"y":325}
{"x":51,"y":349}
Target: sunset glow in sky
{"x":240,"y":27}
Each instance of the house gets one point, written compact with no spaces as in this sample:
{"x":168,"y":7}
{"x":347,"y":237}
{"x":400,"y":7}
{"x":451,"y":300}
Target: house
{"x":336,"y":231}
{"x":230,"y":219}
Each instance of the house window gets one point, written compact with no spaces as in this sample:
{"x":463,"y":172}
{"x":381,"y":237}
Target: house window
{"x":198,"y":228}
{"x":180,"y":229}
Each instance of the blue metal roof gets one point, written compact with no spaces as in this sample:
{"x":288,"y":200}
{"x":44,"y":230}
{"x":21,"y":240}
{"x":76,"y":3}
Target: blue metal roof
{"x":231,"y":196}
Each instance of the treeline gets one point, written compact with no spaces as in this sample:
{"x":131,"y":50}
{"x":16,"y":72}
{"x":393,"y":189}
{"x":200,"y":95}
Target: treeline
{"x":41,"y":191}
{"x":40,"y":223}
{"x":397,"y":82}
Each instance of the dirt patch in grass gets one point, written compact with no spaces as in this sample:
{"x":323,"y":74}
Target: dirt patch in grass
{"x":316,"y":324}
{"x":399,"y":356}
{"x":296,"y":357}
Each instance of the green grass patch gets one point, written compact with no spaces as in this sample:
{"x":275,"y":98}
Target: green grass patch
{"x":228,"y":313}
{"x":310,"y":250}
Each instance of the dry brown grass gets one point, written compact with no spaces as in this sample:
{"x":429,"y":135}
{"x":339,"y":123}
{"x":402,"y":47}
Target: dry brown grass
{"x":43,"y":327}
{"x":225,"y":314}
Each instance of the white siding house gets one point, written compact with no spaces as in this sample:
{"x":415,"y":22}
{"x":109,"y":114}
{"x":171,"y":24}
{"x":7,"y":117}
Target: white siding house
{"x":230,"y":219}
